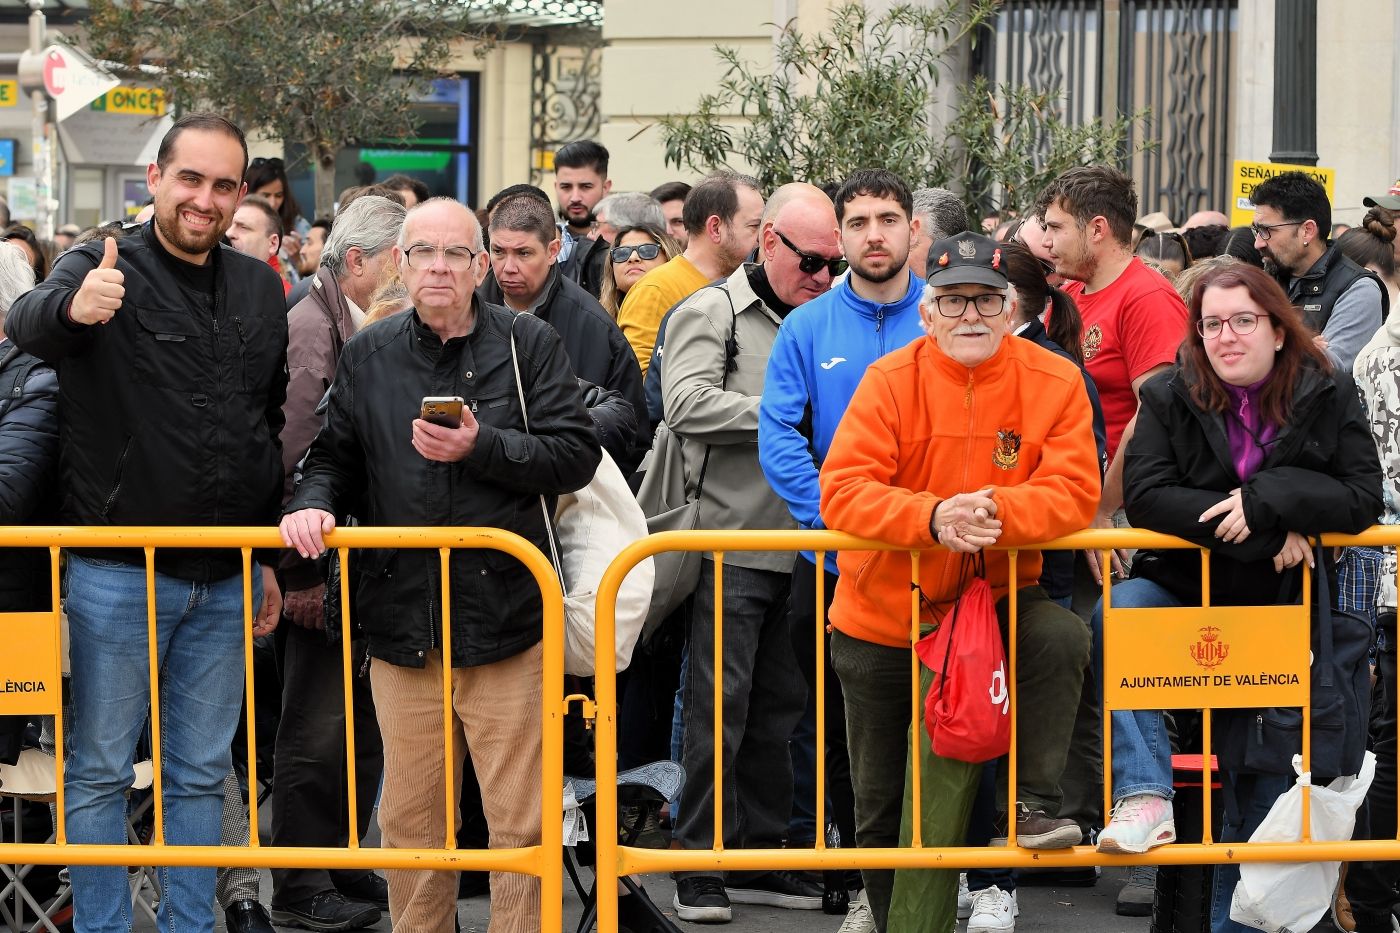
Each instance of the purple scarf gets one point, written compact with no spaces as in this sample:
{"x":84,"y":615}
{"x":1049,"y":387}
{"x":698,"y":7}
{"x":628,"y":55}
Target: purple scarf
{"x":1246,"y":429}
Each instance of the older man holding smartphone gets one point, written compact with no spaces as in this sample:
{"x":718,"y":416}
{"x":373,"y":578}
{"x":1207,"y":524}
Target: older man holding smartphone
{"x":486,"y":470}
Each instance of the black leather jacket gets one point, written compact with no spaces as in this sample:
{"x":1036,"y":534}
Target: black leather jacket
{"x":363,"y":455}
{"x":170,"y":412}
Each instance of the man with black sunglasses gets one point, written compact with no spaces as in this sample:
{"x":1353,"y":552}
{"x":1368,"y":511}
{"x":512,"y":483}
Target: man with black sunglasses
{"x":821,"y":352}
{"x":716,"y":351}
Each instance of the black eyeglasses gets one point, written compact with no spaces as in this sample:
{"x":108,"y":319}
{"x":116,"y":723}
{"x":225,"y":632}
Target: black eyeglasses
{"x":274,"y":162}
{"x":1264,"y":231}
{"x":812,"y":264}
{"x":988,"y":304}
{"x":646,"y":251}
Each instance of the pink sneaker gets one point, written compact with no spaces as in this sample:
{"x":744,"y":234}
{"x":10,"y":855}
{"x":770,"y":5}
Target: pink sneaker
{"x":1138,"y":823}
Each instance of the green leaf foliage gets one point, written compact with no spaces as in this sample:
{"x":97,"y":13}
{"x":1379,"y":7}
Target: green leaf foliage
{"x":862,"y":94}
{"x":325,"y":73}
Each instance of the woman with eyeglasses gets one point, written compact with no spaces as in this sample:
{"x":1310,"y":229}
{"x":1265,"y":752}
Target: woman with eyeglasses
{"x":636,"y":252}
{"x":1247,"y":446}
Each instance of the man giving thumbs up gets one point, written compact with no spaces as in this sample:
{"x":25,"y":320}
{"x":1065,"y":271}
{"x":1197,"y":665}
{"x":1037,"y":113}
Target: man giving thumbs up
{"x":170,"y":414}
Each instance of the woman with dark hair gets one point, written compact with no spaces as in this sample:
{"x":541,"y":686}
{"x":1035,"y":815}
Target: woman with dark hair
{"x":1247,"y":446}
{"x":636,"y":251}
{"x":1239,"y":242}
{"x":23,"y":239}
{"x":1372,"y":246}
{"x":1167,"y":251}
{"x":268,"y":178}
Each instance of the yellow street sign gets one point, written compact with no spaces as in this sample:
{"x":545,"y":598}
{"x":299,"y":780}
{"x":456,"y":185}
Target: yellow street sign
{"x":143,"y":101}
{"x":1248,"y":175}
{"x":1218,"y":657}
{"x":9,"y":93}
{"x":29,"y":674}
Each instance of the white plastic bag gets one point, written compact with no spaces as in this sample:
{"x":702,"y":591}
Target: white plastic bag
{"x":1284,"y":896}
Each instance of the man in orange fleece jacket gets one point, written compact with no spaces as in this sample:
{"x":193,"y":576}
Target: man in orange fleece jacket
{"x":967,"y":439}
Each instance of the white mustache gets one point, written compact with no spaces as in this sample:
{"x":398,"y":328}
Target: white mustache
{"x":971,"y":330}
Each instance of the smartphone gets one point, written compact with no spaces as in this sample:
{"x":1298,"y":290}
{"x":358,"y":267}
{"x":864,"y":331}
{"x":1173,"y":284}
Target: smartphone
{"x":445,"y":411}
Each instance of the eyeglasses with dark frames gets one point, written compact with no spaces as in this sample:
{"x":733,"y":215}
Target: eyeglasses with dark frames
{"x":1264,"y":231}
{"x":988,"y":304}
{"x":811,"y":264}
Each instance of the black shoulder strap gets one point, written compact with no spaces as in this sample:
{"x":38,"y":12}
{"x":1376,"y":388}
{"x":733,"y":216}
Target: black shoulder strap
{"x":731,"y":353}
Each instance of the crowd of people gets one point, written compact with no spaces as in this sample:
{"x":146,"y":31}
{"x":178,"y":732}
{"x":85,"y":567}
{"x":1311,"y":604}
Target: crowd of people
{"x":845,"y":354}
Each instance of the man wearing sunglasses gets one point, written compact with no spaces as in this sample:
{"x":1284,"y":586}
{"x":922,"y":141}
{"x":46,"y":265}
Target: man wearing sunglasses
{"x":821,"y":352}
{"x":717,"y":347}
{"x":1342,"y":302}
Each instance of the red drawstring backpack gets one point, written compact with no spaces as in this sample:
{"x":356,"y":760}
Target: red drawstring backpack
{"x":968,"y":708}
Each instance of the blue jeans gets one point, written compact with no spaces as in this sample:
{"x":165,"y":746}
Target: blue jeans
{"x":1142,"y":751}
{"x":199,"y":629}
{"x":1248,"y":798}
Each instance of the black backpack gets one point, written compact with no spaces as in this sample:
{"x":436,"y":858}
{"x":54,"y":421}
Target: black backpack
{"x":1267,"y":739}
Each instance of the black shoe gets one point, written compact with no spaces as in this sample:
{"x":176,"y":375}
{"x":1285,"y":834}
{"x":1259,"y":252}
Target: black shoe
{"x":473,"y":884}
{"x":247,"y":917}
{"x":701,"y":899}
{"x":328,"y":912}
{"x":368,"y":889}
{"x":790,"y":889}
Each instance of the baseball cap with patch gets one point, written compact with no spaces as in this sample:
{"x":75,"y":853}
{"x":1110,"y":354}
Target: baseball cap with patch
{"x":967,"y":259}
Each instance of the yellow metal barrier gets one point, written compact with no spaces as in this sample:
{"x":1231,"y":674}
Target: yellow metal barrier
{"x":615,"y":860}
{"x":42,"y":640}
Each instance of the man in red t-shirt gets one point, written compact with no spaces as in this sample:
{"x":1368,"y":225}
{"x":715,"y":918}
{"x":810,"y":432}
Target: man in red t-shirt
{"x":1133,"y":319}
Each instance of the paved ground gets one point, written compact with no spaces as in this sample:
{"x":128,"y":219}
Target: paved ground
{"x":1043,"y":910}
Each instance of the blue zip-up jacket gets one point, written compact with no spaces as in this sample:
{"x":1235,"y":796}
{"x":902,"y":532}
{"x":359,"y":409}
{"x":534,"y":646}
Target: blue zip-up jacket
{"x":822,"y":350}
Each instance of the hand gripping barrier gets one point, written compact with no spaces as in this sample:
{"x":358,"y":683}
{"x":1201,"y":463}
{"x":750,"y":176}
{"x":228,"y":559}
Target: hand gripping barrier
{"x":1285,"y":645}
{"x":32,"y":653}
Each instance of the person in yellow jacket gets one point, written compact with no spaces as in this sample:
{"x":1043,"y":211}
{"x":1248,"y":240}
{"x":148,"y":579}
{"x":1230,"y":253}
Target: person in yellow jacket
{"x":967,"y":439}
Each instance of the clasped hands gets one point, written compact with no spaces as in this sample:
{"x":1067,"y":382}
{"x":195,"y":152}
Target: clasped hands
{"x":967,"y":522}
{"x":1234,"y":529}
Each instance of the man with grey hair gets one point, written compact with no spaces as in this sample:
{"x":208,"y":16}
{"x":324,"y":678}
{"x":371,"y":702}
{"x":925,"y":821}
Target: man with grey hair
{"x":940,"y":214}
{"x":482,"y":468}
{"x":310,"y":747}
{"x":628,"y":209}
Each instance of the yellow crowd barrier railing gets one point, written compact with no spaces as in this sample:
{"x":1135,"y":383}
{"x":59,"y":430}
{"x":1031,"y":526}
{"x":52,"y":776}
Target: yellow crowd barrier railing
{"x":33,"y":649}
{"x":1292,"y":642}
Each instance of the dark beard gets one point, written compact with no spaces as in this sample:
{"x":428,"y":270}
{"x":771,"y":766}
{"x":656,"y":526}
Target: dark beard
{"x":195,"y":246}
{"x":882,"y":277}
{"x":570,"y":222}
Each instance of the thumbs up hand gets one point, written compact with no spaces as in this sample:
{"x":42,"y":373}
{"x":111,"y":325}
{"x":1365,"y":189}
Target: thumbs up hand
{"x":100,"y":295}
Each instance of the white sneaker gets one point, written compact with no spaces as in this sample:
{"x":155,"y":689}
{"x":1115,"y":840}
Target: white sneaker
{"x":859,"y":918}
{"x":1138,"y":823}
{"x":964,"y":897}
{"x":993,"y":911}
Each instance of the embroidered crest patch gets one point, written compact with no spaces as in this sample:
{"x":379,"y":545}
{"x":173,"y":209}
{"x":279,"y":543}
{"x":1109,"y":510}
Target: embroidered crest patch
{"x":1093,"y":342}
{"x":967,"y":249}
{"x":1008,"y":451}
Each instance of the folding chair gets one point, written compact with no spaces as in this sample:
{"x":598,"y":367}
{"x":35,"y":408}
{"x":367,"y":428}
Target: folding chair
{"x":29,"y":779}
{"x":32,"y":778}
{"x":644,"y":791}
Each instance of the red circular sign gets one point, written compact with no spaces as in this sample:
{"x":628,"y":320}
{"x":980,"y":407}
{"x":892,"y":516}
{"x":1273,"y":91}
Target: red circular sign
{"x":55,"y":73}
